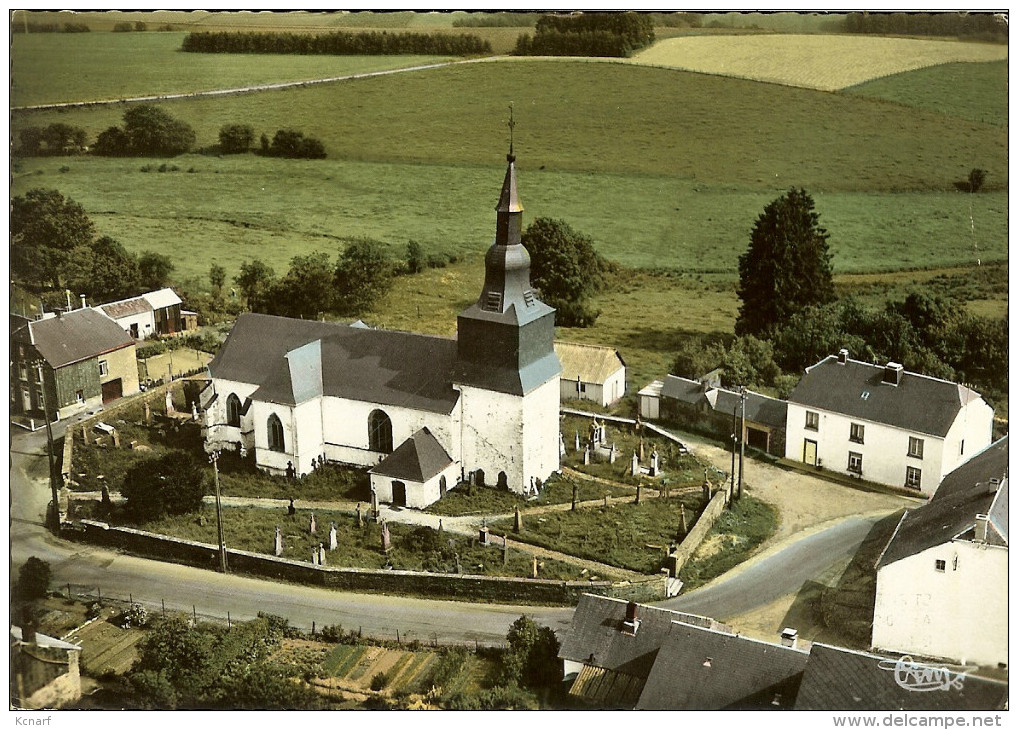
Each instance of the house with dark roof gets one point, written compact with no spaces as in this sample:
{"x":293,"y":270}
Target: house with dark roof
{"x":700,"y":406}
{"x":152,"y":313}
{"x":942,"y":580}
{"x":591,"y":372}
{"x":884,"y":424}
{"x":424,"y":412}
{"x":843,"y":680}
{"x":45,"y":671}
{"x":85,"y":359}
{"x":612,"y":646}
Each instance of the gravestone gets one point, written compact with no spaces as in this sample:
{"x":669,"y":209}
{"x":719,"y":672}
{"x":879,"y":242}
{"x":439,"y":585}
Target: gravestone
{"x":147,"y":409}
{"x":483,"y":535}
{"x":321,"y":554}
{"x":290,"y":471}
{"x":291,"y":510}
{"x":561,"y":445}
{"x":572,"y":507}
{"x":634,"y":467}
{"x":314,"y":556}
{"x":614,"y":452}
{"x":439,"y":526}
{"x":194,"y":411}
{"x":586,"y":455}
{"x":242,"y":451}
{"x":577,"y":441}
{"x":170,"y":410}
{"x":533,"y":571}
{"x":374,"y":504}
{"x":116,"y":438}
{"x":106,"y":495}
{"x":333,"y":542}
{"x":517,"y":522}
{"x":386,"y":539}
{"x":312,"y":524}
{"x":279,"y":542}
{"x":639,"y":490}
{"x":682,"y":511}
{"x":360,"y":517}
{"x":653,"y":463}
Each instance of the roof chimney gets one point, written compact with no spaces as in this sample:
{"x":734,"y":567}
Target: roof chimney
{"x":789,"y":637}
{"x":842,"y":356}
{"x":893,"y":373}
{"x":632,"y":622}
{"x":982,"y":528}
{"x":82,"y":301}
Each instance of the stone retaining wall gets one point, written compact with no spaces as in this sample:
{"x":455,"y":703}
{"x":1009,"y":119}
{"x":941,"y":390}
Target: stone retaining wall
{"x":714,"y":509}
{"x":400,"y":582}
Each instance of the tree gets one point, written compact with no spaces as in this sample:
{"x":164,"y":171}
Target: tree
{"x":217,"y":277}
{"x":306,"y":289}
{"x":104,"y":271}
{"x":112,"y":142}
{"x":33,"y":579}
{"x":155,"y":270}
{"x":291,"y":143}
{"x":147,"y":130}
{"x":976,"y":179}
{"x":565,"y":268}
{"x":532,"y":657}
{"x":171,"y":484}
{"x":45,"y":228}
{"x":255,"y":280}
{"x":787,"y":266}
{"x":235,"y":138}
{"x":415,"y":261}
{"x":363,"y":276}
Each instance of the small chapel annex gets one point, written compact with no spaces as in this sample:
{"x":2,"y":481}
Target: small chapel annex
{"x":425,"y":413}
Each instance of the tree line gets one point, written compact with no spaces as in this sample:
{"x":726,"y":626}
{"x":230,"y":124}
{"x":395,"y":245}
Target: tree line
{"x":960,"y":25}
{"x":339,"y":43}
{"x":588,"y":34}
{"x":790,"y":317}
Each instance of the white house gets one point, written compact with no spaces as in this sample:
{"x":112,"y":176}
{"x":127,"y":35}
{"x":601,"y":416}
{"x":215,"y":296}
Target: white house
{"x":152,"y":313}
{"x":884,"y":424}
{"x":591,"y":372}
{"x":424,"y":412}
{"x":942,"y":579}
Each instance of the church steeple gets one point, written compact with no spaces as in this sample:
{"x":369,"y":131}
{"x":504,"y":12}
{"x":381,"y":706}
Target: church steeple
{"x":506,"y":339}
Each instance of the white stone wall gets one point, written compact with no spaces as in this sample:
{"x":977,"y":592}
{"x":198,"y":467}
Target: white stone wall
{"x":884,"y":448}
{"x":959,"y":613}
{"x":218,"y":433}
{"x":274,"y":461}
{"x":145,"y":320}
{"x":974,"y":428}
{"x":541,"y":428}
{"x":418,"y":495}
{"x":613,"y":388}
{"x":492,"y":434}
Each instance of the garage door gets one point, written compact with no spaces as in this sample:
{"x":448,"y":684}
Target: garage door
{"x":112,"y":390}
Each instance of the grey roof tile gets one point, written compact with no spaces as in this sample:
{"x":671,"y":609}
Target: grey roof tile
{"x":76,"y":336}
{"x":417,"y":459}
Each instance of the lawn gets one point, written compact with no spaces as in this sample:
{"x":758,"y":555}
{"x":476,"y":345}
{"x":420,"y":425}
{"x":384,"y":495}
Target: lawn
{"x":631,"y":536}
{"x":825,"y":62}
{"x":49,"y":68}
{"x":973,"y":91}
{"x":413,"y":548}
{"x":734,"y":537}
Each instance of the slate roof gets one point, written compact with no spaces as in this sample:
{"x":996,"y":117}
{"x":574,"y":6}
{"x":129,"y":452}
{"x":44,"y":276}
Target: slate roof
{"x":964,"y":493}
{"x":417,"y":459}
{"x":591,"y":363}
{"x":703,"y":669}
{"x":375,"y":366}
{"x":759,"y":408}
{"x":596,"y":637}
{"x":839,"y":680}
{"x":77,"y":335}
{"x":126,"y":308}
{"x":920,"y":404}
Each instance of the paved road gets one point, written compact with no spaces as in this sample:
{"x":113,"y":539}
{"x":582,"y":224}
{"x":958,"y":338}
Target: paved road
{"x":757,"y":583}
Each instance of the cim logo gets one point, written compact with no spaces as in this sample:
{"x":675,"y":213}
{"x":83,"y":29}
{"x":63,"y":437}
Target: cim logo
{"x":916,"y":677}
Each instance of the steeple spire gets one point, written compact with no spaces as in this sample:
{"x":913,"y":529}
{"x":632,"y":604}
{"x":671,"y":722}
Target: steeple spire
{"x":512,"y":125}
{"x":509,"y":209}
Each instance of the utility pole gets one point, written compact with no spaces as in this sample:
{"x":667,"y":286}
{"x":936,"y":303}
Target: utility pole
{"x":742,"y":438}
{"x":214,"y":458}
{"x":731,"y":489}
{"x":49,"y":448}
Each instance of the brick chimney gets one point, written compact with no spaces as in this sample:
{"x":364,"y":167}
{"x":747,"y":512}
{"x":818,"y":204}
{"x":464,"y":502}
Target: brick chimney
{"x":632,"y":622}
{"x":893,"y":373}
{"x":789,"y":637}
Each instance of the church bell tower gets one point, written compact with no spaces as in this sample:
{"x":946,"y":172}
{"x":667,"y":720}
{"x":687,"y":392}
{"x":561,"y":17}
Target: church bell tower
{"x":507,"y":369}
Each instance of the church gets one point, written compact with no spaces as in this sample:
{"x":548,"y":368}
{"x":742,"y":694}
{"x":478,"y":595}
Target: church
{"x":425,"y":413}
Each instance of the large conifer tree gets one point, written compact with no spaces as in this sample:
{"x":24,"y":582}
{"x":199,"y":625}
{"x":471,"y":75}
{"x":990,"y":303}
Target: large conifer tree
{"x":787,"y":266}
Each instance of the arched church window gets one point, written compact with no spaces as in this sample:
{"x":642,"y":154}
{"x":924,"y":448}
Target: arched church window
{"x":379,"y":432}
{"x":275,"y":427}
{"x":233,"y":410}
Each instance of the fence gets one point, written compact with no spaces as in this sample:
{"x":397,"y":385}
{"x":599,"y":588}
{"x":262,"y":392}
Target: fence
{"x":400,"y":582}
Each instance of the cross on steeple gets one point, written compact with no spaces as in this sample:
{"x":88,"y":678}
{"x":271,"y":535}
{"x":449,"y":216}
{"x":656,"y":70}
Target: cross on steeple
{"x":511,"y":124}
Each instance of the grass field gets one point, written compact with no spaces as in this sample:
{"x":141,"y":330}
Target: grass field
{"x":973,"y":91}
{"x":823,"y":62}
{"x":47,"y":68}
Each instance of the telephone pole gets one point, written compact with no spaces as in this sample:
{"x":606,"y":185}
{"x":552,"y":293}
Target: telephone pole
{"x":214,"y":458}
{"x":742,"y":438}
{"x":49,"y":448}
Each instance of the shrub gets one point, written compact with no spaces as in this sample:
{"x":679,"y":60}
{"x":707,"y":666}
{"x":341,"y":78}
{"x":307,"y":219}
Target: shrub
{"x":380,"y":681}
{"x":33,"y":579}
{"x":976,"y":179}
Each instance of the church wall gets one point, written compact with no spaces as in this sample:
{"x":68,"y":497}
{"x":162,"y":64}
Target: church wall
{"x":346,"y":429}
{"x":492,"y":435}
{"x":541,"y":427}
{"x":274,"y":461}
{"x":418,"y":495}
{"x":218,"y":433}
{"x":309,"y":445}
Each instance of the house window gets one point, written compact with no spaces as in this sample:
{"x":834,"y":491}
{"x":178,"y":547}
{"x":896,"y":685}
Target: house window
{"x":583,"y":387}
{"x":104,"y":368}
{"x":812,"y":420}
{"x":913,"y":477}
{"x":23,"y":371}
{"x":915,"y":447}
{"x":233,"y":410}
{"x":275,"y":428}
{"x":940,"y":565}
{"x":854,"y":462}
{"x":380,"y":432}
{"x":962,"y":452}
{"x":79,"y":397}
{"x":856,"y":433}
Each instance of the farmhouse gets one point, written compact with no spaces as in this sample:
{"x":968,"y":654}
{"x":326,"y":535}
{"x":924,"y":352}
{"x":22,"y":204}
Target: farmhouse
{"x":44,"y":671}
{"x":424,"y":412}
{"x":86,"y":360}
{"x":591,"y":372}
{"x":153,"y":313}
{"x":700,"y":406}
{"x":942,"y":580}
{"x":884,"y":424}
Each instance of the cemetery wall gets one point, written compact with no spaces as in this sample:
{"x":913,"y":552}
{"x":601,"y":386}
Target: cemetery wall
{"x":438,"y":585}
{"x":714,"y":509}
